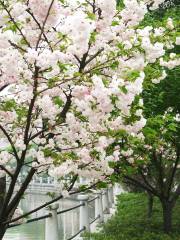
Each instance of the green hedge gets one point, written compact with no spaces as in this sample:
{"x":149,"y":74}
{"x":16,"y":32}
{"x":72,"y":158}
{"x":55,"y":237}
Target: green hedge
{"x":131,"y":222}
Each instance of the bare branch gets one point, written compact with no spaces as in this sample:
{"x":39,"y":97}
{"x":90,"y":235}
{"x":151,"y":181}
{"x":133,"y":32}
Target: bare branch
{"x":10,"y":141}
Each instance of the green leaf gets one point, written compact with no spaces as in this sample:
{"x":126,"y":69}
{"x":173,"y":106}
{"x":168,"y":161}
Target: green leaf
{"x":91,"y":15}
{"x":58,"y":101}
{"x":114,"y":65}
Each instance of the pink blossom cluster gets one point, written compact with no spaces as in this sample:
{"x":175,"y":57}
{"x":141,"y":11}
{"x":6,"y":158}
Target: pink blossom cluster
{"x":67,"y":66}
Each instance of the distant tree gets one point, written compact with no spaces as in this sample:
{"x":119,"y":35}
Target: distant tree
{"x":153,"y":164}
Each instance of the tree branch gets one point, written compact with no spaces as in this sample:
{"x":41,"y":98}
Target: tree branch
{"x":6,"y":170}
{"x":44,"y":23}
{"x":173,"y":172}
{"x":11,"y":142}
{"x":21,"y":191}
{"x":66,"y":106}
{"x":134,"y":181}
{"x":16,"y":25}
{"x":46,"y":39}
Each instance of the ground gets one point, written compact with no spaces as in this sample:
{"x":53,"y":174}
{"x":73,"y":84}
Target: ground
{"x":131,"y":222}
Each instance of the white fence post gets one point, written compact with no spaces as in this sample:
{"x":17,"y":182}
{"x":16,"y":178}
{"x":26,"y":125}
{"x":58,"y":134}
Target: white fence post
{"x":41,"y":180}
{"x":99,"y":207}
{"x":106,"y":201}
{"x":111,"y":196}
{"x":48,"y":180}
{"x":51,"y":232}
{"x":84,"y":212}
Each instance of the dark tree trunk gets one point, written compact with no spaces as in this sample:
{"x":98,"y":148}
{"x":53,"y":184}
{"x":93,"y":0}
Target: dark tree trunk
{"x":167,"y":216}
{"x":150,"y":205}
{"x":2,"y":195}
{"x":2,"y":190}
{"x":2,"y":231}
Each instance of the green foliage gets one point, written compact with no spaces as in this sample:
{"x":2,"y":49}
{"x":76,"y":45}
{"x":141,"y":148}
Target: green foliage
{"x":91,"y":16}
{"x":59,"y":157}
{"x":93,"y":37}
{"x":120,"y":4}
{"x":83,"y":187}
{"x":123,"y":89}
{"x":115,"y":23}
{"x":51,"y":194}
{"x":58,"y":101}
{"x":13,"y":27}
{"x":94,"y":154}
{"x":156,"y":18}
{"x":101,"y":185}
{"x":161,"y":129}
{"x":81,"y":117}
{"x":11,"y":105}
{"x":157,"y":98}
{"x":131,"y":222}
{"x":114,"y":65}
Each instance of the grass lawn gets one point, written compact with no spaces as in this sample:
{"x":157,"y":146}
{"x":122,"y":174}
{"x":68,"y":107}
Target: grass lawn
{"x":131,"y":222}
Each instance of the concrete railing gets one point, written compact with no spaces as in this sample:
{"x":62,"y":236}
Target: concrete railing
{"x":103,"y":201}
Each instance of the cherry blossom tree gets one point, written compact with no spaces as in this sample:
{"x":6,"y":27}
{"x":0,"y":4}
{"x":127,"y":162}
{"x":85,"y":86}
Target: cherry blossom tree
{"x":69,"y":73}
{"x":153,"y":164}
